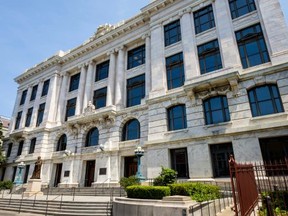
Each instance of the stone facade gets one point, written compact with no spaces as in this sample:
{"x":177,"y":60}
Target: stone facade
{"x":243,"y":131}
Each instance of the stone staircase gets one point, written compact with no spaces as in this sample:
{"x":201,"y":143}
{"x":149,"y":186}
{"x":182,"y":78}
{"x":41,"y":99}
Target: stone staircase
{"x":53,"y":207}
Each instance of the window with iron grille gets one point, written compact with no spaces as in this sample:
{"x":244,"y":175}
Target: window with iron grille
{"x":131,"y":130}
{"x":175,"y":71}
{"x":99,"y":98}
{"x":34,"y":93}
{"x":9,"y":149}
{"x":177,"y":117}
{"x":204,"y":19}
{"x":135,"y":90}
{"x":216,"y":110}
{"x":209,"y":57}
{"x":28,"y":117}
{"x":32,"y":145}
{"x":45,"y":88}
{"x":21,"y":143}
{"x":62,"y":143}
{"x":23,"y":97}
{"x":241,"y":7}
{"x":172,"y":33}
{"x":40,"y":114}
{"x":252,"y":46}
{"x":18,"y":119}
{"x":102,"y":71}
{"x":265,"y":100}
{"x":70,"y":108}
{"x":74,"y":82}
{"x":136,"y":57}
{"x":92,"y":138}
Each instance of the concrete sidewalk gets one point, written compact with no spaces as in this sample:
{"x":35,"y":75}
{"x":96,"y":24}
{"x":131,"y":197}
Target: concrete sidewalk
{"x":6,"y":213}
{"x":226,"y":212}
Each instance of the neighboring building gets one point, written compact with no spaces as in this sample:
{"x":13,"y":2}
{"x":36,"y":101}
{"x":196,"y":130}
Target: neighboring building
{"x":191,"y":81}
{"x":5,"y":122}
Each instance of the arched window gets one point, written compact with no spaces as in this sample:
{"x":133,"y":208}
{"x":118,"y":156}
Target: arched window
{"x":216,"y":110}
{"x":177,"y":117}
{"x":62,"y":143}
{"x":92,"y":138}
{"x":131,"y":130}
{"x":265,"y":100}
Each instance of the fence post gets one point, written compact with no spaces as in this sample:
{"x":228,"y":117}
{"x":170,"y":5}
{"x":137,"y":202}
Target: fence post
{"x":269,"y":206}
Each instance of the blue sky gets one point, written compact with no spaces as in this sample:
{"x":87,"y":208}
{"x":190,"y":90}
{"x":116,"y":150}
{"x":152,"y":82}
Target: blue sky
{"x":33,"y":30}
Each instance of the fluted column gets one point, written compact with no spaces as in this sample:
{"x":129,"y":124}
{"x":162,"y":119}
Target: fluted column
{"x":111,"y":78}
{"x":51,"y":100}
{"x":62,"y":98}
{"x":191,"y":65}
{"x":88,"y":85}
{"x":147,"y":63}
{"x":80,"y":95}
{"x":120,"y":78}
{"x":36,"y":104}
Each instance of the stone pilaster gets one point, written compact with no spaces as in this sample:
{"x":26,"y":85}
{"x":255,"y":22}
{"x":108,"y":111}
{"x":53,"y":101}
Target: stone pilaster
{"x":227,"y":43}
{"x":81,"y":90}
{"x":147,"y":63}
{"x":61,"y":99}
{"x":88,"y":84}
{"x":111,"y":78}
{"x":120,"y":78}
{"x":36,"y":104}
{"x":15,"y":110}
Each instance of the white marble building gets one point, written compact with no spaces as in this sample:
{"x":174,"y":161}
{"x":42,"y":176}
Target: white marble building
{"x":191,"y":81}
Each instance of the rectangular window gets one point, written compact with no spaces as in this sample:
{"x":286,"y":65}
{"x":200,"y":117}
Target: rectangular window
{"x":99,"y":98}
{"x":135,"y":90}
{"x":3,"y":173}
{"x":19,"y":152}
{"x":241,"y":7}
{"x":40,"y":114}
{"x":34,"y":93}
{"x":102,"y":71}
{"x":204,"y":19}
{"x":172,"y":33}
{"x":74,"y":82}
{"x":23,"y":97}
{"x":45,"y":88}
{"x":28,"y":117}
{"x":18,"y":119}
{"x":209,"y":57}
{"x":136,"y":57}
{"x":252,"y":46}
{"x":26,"y":173}
{"x":32,"y":146}
{"x":9,"y":149}
{"x":14,"y":173}
{"x":70,"y":108}
{"x":175,"y":71}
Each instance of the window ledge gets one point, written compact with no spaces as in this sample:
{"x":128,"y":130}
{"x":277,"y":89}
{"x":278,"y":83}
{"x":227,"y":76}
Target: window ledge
{"x":244,"y":16}
{"x":129,"y":144}
{"x":101,"y":81}
{"x":275,"y":115}
{"x":170,"y":46}
{"x":257,"y":67}
{"x":205,"y":32}
{"x":135,"y":68}
{"x":218,"y":125}
{"x":185,"y":130}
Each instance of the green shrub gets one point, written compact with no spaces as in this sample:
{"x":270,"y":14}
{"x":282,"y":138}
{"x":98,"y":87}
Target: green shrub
{"x":147,"y":192}
{"x":6,"y":185}
{"x":132,"y":180}
{"x":198,"y":191}
{"x":167,"y":176}
{"x":279,"y":199}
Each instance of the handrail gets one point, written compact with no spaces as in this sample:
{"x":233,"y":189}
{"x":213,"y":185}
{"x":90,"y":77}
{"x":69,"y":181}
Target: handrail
{"x":46,"y":211}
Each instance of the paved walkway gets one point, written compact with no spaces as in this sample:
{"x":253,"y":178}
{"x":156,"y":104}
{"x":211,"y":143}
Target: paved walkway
{"x":6,"y":213}
{"x":226,"y":212}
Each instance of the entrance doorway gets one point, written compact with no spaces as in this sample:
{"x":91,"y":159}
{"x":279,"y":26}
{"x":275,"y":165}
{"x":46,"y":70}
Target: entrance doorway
{"x":58,"y":172}
{"x":220,"y":154}
{"x":89,"y":174}
{"x":274,"y":149}
{"x":179,"y":162}
{"x":130,"y":166}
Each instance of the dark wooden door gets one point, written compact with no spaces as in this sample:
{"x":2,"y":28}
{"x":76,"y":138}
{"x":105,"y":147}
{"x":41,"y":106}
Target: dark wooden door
{"x":179,"y":162}
{"x":130,"y":166}
{"x":89,"y":175}
{"x":58,"y":174}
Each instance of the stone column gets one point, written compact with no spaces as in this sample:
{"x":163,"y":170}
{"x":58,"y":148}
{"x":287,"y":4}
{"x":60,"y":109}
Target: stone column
{"x":81,"y":89}
{"x":147,"y":64}
{"x":16,"y":109}
{"x":111,"y":78}
{"x":51,"y":100}
{"x":120,"y":78}
{"x":227,"y":43}
{"x":36,"y":104}
{"x":25,"y":107}
{"x":62,"y":99}
{"x":274,"y":27}
{"x":158,"y":80}
{"x":191,"y":65}
{"x":88,"y":85}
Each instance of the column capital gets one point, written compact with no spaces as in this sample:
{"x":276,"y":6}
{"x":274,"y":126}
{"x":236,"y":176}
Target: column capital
{"x":110,"y":52}
{"x":83,"y":65}
{"x":122,"y":47}
{"x":146,"y":35}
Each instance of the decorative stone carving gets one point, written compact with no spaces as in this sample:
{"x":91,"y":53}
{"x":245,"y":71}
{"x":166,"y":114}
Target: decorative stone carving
{"x":222,"y":90}
{"x":234,"y":87}
{"x":89,"y":109}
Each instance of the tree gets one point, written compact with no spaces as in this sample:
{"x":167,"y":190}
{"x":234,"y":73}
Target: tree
{"x":2,"y":156}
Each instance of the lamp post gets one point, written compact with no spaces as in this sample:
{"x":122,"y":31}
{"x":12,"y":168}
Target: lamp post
{"x":139,"y":152}
{"x":18,"y":179}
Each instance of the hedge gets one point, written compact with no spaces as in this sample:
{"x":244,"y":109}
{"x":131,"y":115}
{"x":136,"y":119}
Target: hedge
{"x":6,"y":185}
{"x":147,"y":192}
{"x":198,"y":191}
{"x":279,"y":199}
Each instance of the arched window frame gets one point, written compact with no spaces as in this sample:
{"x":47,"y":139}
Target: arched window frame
{"x":89,"y":137}
{"x":172,"y":118}
{"x":128,"y":129}
{"x":62,"y":143}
